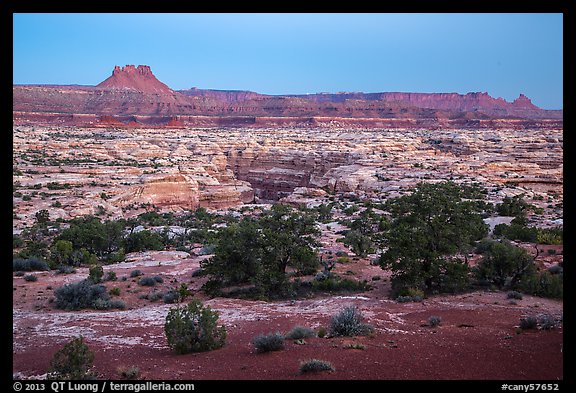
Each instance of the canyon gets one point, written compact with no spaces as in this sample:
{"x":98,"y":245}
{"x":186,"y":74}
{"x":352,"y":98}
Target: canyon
{"x":221,"y":168}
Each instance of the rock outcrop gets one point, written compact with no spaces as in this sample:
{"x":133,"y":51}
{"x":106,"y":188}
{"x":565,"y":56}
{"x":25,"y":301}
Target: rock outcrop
{"x":138,"y":78}
{"x":122,"y":171}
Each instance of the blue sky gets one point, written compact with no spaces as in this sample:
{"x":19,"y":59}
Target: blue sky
{"x":502,"y":54}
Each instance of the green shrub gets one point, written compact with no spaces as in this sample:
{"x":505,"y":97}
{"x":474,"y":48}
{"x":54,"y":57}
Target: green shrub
{"x":147,"y":281}
{"x":544,"y":284}
{"x":83,"y":294}
{"x":348,"y":322}
{"x":528,"y":323}
{"x":65,"y":269}
{"x":505,"y":265}
{"x":550,"y":235}
{"x":354,"y":346}
{"x":17,"y":242}
{"x":115,"y":291}
{"x":72,"y":362}
{"x":110,"y":276}
{"x":546,"y":321}
{"x":106,"y":304}
{"x":129,"y":373}
{"x":329,"y":282}
{"x":96,"y":273}
{"x":144,"y":240}
{"x":512,"y":206}
{"x":152,"y":296}
{"x":314,"y":365}
{"x":322,"y":332}
{"x":556,"y":269}
{"x":136,"y":273}
{"x":158,"y":279}
{"x":299,"y":332}
{"x":514,"y":295}
{"x":269,"y":342}
{"x":410,"y":294}
{"x":30,"y":278}
{"x":434,"y":321}
{"x":193,"y":328}
{"x":29,"y":264}
{"x":342,"y":260}
{"x":171,"y":297}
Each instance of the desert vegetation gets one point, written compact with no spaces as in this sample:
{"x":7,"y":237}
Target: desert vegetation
{"x":193,"y":328}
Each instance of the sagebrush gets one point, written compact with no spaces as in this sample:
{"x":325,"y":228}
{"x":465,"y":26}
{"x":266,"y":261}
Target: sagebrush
{"x":348,"y":322}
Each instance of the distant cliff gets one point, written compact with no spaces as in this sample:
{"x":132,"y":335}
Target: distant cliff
{"x":135,"y":91}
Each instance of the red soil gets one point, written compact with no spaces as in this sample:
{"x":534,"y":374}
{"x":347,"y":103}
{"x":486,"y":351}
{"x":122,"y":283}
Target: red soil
{"x":477,"y":338}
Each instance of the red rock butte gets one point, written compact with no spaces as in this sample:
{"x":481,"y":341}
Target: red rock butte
{"x":138,"y":78}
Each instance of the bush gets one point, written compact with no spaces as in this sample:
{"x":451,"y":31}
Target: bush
{"x":544,"y":284}
{"x":136,"y":273}
{"x":504,"y":265}
{"x":104,"y":304}
{"x":556,"y":269}
{"x":171,"y":297}
{"x":512,"y":206}
{"x":410,"y":294}
{"x":129,"y":373}
{"x":354,"y":346}
{"x":115,"y":291}
{"x":193,"y":328}
{"x":17,"y":242}
{"x":158,"y":279}
{"x":546,"y":321}
{"x":434,"y":321}
{"x":322,"y":332}
{"x":30,"y":278}
{"x":348,"y":322}
{"x":333,"y":283}
{"x":314,"y":365}
{"x":299,"y":332}
{"x":514,"y":295}
{"x":268,"y":343}
{"x":528,"y":323}
{"x":147,"y":281}
{"x":542,"y":321}
{"x":110,"y":276}
{"x":83,"y":294}
{"x":144,"y":240}
{"x":96,"y":273}
{"x":152,"y":296}
{"x":65,"y":269}
{"x":29,"y":264}
{"x":73,"y":362}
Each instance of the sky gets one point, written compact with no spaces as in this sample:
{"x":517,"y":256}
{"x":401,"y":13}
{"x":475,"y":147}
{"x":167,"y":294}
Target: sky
{"x":501,"y":54}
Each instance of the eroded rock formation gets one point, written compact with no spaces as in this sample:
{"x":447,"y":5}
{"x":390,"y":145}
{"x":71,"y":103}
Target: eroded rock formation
{"x":219,"y":168}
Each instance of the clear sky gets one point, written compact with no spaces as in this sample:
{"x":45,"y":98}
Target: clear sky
{"x":501,"y":54}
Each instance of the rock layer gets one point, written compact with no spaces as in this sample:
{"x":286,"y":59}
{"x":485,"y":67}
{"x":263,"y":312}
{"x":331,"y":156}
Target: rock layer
{"x":218,"y":168}
{"x":133,"y":96}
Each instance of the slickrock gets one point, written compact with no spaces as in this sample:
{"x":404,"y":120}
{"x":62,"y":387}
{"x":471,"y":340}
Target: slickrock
{"x":119,"y":172}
